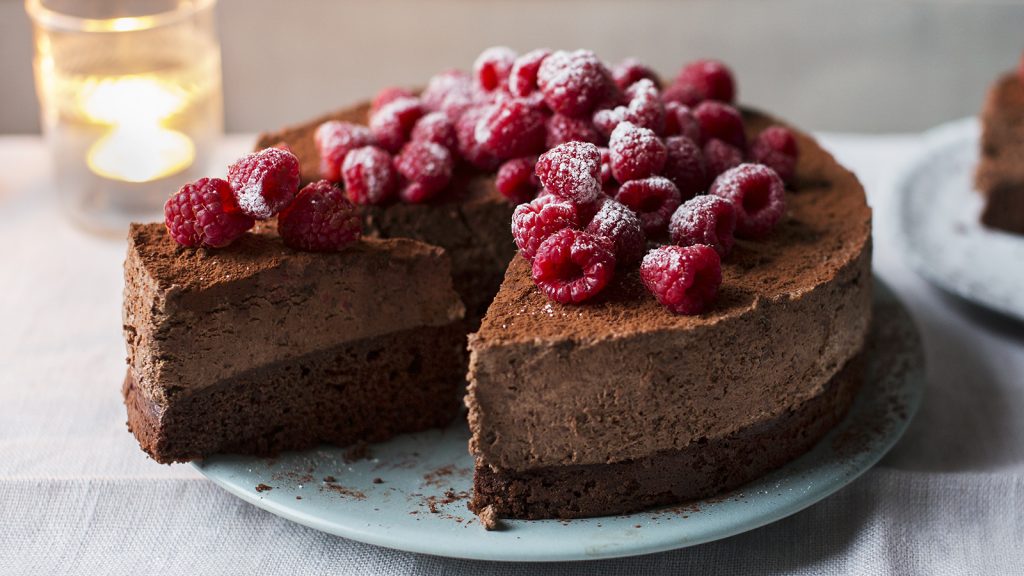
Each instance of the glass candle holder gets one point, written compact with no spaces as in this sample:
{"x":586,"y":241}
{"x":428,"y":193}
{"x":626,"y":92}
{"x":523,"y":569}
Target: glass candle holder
{"x":131,"y":102}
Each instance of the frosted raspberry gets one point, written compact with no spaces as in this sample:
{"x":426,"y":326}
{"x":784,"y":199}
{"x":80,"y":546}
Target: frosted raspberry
{"x":522,"y":80}
{"x":775,"y":147}
{"x":320,"y":219}
{"x":572,"y":171}
{"x":204,"y":213}
{"x":510,"y":129}
{"x":334,"y":140}
{"x":645,"y":109}
{"x":653,"y":199}
{"x":620,"y":226}
{"x":369,"y":176}
{"x":436,"y":127}
{"x":573,"y":266}
{"x":680,"y":121}
{"x":705,"y":219}
{"x":680,"y":94}
{"x":758,"y":195}
{"x":635,"y":152}
{"x":684,"y":279}
{"x":684,"y":166}
{"x":469,"y":149}
{"x":388,"y":95}
{"x":606,"y":167}
{"x":493,"y":66}
{"x":392,"y":124}
{"x":516,"y":180}
{"x":264,"y":182}
{"x":709,"y":79}
{"x":627,"y":72}
{"x":427,"y":169}
{"x":574,"y":83}
{"x":450,"y":92}
{"x":562,"y":129}
{"x":719,"y":157}
{"x":535,"y":221}
{"x":720,"y":121}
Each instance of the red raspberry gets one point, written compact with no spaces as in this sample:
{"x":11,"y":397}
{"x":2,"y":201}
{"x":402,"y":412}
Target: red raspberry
{"x":510,"y":129}
{"x":264,"y":182}
{"x":388,"y":95}
{"x":681,"y":94}
{"x":620,"y":226}
{"x":572,"y":171}
{"x":204,"y":213}
{"x":450,"y":92}
{"x":645,"y":109}
{"x":471,"y":150}
{"x":369,"y":176}
{"x":392,"y":124}
{"x":1020,"y":68}
{"x":535,"y":221}
{"x":775,"y":147}
{"x":334,"y":140}
{"x":320,"y":219}
{"x":635,"y":152}
{"x":436,"y":127}
{"x":758,"y":195}
{"x":705,"y":219}
{"x":654,"y":199}
{"x":679,"y":120}
{"x":427,"y":169}
{"x":562,"y":129}
{"x":606,"y":167}
{"x":720,"y":121}
{"x":522,"y":80}
{"x":627,"y":72}
{"x":719,"y":157}
{"x":516,"y":180}
{"x":684,"y":279}
{"x":573,"y":266}
{"x":492,"y":67}
{"x":684,"y":166}
{"x":709,"y":79}
{"x":574,"y":83}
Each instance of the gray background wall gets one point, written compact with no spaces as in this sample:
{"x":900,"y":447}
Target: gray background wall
{"x":868,"y":66}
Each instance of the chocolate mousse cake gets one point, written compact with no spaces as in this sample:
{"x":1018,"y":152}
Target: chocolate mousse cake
{"x":1000,"y":172}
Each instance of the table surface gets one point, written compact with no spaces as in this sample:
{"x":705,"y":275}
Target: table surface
{"x":77,"y":496}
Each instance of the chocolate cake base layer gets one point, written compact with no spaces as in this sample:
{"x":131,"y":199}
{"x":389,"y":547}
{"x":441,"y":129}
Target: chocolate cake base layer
{"x":1000,"y":171}
{"x":366,"y":391}
{"x":1004,"y":207}
{"x":706,"y":468}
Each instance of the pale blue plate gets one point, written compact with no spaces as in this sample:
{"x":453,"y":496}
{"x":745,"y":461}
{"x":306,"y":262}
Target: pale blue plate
{"x":408,"y":508}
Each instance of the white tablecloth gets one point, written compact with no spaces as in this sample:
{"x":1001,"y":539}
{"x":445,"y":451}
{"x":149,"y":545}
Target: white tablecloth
{"x":77,"y":496}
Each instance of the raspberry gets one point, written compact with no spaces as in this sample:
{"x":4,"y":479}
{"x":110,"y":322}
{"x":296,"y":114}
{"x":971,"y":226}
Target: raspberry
{"x":679,"y":120}
{"x":369,"y":176}
{"x":392,"y":124}
{"x":684,"y":279}
{"x":471,"y":150}
{"x":606,"y":167}
{"x":573,"y":266}
{"x":721,"y":121}
{"x":516,"y":180}
{"x":535,"y":221}
{"x":493,"y":66}
{"x":572,"y":171}
{"x":645,"y":109}
{"x":684,"y":166}
{"x":562,"y":129}
{"x":775,"y":147}
{"x":635,"y":152}
{"x":334,"y":140}
{"x":719,"y":157}
{"x":450,"y":92}
{"x":681,"y":94}
{"x":320,"y":219}
{"x":630,"y":70}
{"x":705,"y":219}
{"x":204,"y":213}
{"x":511,"y":128}
{"x":522,"y":80}
{"x":654,"y":199}
{"x":574,"y":83}
{"x":264,"y":182}
{"x":758,"y":195}
{"x":427,"y":168}
{"x":620,"y":226}
{"x":709,"y":79}
{"x":436,"y":127}
{"x":388,"y":95}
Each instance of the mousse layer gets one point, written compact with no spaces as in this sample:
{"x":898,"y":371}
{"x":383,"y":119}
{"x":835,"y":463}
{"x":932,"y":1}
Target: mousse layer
{"x":1000,"y":172}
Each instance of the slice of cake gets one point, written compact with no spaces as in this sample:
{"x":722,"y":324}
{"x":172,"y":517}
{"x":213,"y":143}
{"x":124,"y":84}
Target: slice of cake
{"x":1000,"y":172}
{"x":257,"y":348}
